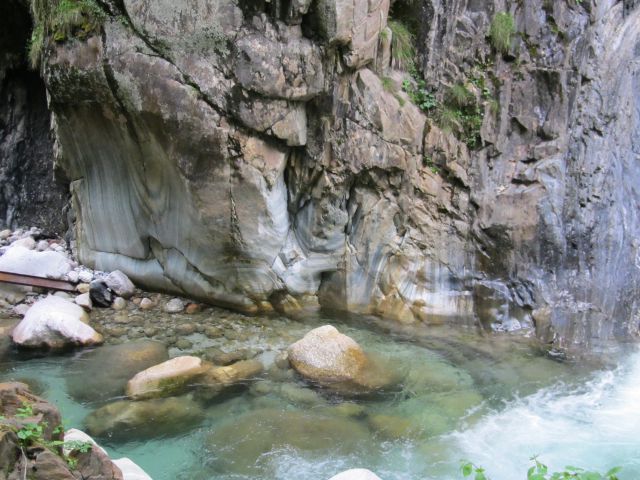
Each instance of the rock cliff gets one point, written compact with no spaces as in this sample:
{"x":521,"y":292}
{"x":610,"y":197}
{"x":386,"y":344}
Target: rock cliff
{"x":269,"y":155}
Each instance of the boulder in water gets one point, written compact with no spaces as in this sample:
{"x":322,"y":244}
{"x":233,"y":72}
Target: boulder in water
{"x":125,"y":420}
{"x":334,"y":360}
{"x":89,"y":381}
{"x":168,"y":378}
{"x":54,"y":322}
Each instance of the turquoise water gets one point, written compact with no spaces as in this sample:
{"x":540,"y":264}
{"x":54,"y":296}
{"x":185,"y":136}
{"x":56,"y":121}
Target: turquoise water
{"x":493,"y":400}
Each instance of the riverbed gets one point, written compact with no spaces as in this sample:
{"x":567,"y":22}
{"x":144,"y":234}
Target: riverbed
{"x":493,"y":399}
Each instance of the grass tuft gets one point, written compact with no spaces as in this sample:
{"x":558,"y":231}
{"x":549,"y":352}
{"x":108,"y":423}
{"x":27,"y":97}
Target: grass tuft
{"x":501,"y":31}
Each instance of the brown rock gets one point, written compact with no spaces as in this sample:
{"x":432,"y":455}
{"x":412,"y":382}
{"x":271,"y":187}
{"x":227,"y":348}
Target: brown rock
{"x":168,"y":378}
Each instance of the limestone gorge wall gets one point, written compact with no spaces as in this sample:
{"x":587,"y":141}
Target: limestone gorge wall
{"x":263,"y":155}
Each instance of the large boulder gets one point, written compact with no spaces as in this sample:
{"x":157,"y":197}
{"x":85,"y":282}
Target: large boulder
{"x":130,"y":470}
{"x":218,"y":379}
{"x":168,"y":378}
{"x":89,"y":381}
{"x":356,"y":474}
{"x":329,"y":358}
{"x":22,"y":260}
{"x":144,"y":419}
{"x":54,"y":322}
{"x":256,"y":433}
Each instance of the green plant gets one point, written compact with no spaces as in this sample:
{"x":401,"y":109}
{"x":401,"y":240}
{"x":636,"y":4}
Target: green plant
{"x":26,"y":410}
{"x":61,"y":20}
{"x":420,"y":94}
{"x":459,"y":95}
{"x":403,"y":50}
{"x":388,"y":84}
{"x":539,"y":471}
{"x":501,"y":31}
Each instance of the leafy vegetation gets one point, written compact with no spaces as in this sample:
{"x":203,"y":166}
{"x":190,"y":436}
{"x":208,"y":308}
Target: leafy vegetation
{"x":539,"y":471}
{"x":61,"y":20}
{"x":30,"y":434}
{"x":502,"y":31}
{"x":403,"y":51}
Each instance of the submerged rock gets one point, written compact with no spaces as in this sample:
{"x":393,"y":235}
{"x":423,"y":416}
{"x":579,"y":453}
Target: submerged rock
{"x":89,"y":380}
{"x":334,"y":360}
{"x":54,"y":322}
{"x":218,"y":379}
{"x":168,"y":378}
{"x":100,"y":293}
{"x":126,"y":420}
{"x":256,"y":433}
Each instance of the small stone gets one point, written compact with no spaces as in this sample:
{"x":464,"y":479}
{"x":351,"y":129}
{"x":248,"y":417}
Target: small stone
{"x":85,"y":276}
{"x":83,"y":287}
{"x":119,"y":303}
{"x":184,"y":344}
{"x":185,"y":329}
{"x":42,"y":245}
{"x":28,"y":242}
{"x":100,"y":293}
{"x":4,"y":234}
{"x":282,"y":361}
{"x":193,"y":308}
{"x":150,"y":332}
{"x":175,"y":305}
{"x":136,"y":300}
{"x":227,"y":358}
{"x":64,"y":295}
{"x":147,"y":304}
{"x":119,"y":283}
{"x":72,"y":276}
{"x":213,"y":332}
{"x":84,"y":300}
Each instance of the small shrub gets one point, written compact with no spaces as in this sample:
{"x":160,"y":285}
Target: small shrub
{"x":539,"y":471}
{"x":501,"y":31}
{"x":460,"y":96}
{"x":403,"y":51}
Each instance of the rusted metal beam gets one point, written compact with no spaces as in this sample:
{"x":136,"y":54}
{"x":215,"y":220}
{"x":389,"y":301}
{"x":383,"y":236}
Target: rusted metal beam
{"x":31,"y":281}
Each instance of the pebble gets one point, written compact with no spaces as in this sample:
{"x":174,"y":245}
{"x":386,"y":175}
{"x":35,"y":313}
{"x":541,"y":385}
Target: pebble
{"x":175,"y":305}
{"x":42,"y":246}
{"x":193,"y":308}
{"x":185,"y":329}
{"x":119,"y":303}
{"x":146,"y":304}
{"x":184,"y":344}
{"x":85,"y":276}
{"x":72,"y":276}
{"x":4,"y":234}
{"x":150,"y":331}
{"x":83,"y":287}
{"x":213,"y":332}
{"x":84,"y":300}
{"x":64,"y":295}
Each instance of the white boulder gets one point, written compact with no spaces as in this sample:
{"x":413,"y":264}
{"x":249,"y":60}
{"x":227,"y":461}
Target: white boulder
{"x":54,"y":322}
{"x":120,"y":284}
{"x":131,"y":471}
{"x":356,"y":474}
{"x":19,"y":259}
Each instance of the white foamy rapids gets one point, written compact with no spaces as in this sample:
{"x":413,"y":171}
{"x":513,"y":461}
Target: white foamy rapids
{"x":595,"y":427}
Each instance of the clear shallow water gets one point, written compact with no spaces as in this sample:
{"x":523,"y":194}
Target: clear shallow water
{"x":492,"y":400}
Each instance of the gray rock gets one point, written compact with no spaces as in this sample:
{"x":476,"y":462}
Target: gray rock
{"x":120,"y":284}
{"x":175,"y":305}
{"x":84,"y":300}
{"x":101,"y":294}
{"x":119,"y":303}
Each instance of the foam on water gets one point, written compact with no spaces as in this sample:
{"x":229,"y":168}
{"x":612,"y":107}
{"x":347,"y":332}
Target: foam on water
{"x":595,"y":426}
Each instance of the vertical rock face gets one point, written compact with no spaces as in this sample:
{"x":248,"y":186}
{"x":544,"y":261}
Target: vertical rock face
{"x":28,"y":193}
{"x":260,"y":154}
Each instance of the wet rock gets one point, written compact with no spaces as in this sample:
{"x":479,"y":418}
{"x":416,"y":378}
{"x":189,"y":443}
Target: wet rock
{"x":300,"y":396}
{"x":147,"y":304}
{"x":175,"y":305}
{"x":334,"y":360}
{"x":193,"y":308}
{"x":40,"y":264}
{"x":124,"y":420}
{"x":302,"y":431}
{"x":391,"y":427}
{"x":84,"y":300}
{"x":185,"y":329}
{"x":184,"y":344}
{"x":213,"y":332}
{"x":100,"y":293}
{"x":282,"y":361}
{"x":218,"y":379}
{"x":356,"y":474}
{"x":168,"y":378}
{"x":89,"y":381}
{"x":119,"y":303}
{"x":227,"y":358}
{"x":120,"y":284}
{"x":55,"y":323}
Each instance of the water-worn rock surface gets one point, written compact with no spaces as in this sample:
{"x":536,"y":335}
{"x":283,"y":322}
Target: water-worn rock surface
{"x":262,"y":155}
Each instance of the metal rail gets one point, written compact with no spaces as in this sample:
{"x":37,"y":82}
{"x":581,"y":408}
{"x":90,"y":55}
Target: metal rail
{"x":31,"y":281}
